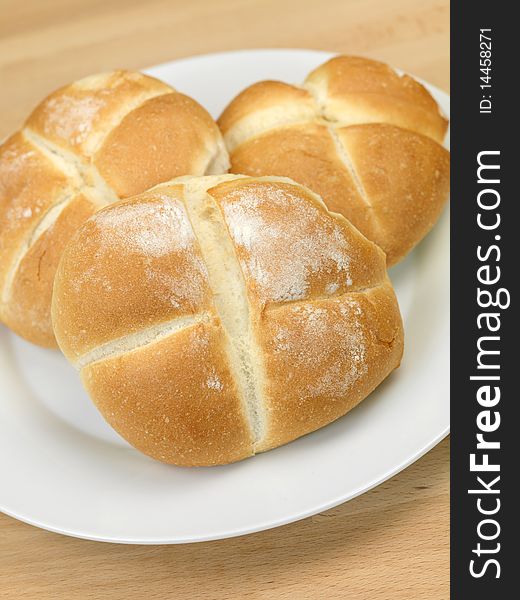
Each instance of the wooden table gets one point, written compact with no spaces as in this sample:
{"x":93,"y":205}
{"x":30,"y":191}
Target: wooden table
{"x":391,"y":543}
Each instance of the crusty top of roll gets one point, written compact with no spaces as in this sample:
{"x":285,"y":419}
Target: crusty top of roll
{"x":363,"y":137}
{"x":354,"y":91}
{"x":215,"y":317}
{"x":86,"y":145}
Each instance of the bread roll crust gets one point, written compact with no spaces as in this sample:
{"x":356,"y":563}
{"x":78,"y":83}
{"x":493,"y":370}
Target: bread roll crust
{"x":306,"y":152}
{"x":353,"y":122}
{"x":405,"y":208}
{"x":174,"y":400}
{"x":293,"y":320}
{"x":354,"y":90}
{"x":99,"y":139}
{"x":179,"y":134}
{"x":313,"y":382}
{"x":276,"y":103}
{"x":77,"y":117}
{"x":144,"y":244}
{"x":30,"y":293}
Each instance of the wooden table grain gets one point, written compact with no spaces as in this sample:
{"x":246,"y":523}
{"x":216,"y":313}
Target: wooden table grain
{"x":389,"y":544}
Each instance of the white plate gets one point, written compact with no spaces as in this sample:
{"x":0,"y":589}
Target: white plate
{"x":62,"y":467}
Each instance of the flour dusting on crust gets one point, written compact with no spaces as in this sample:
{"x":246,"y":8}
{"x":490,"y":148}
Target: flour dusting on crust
{"x":149,"y":228}
{"x":14,"y":162}
{"x":285,"y":252}
{"x":72,"y":117}
{"x":148,"y":233}
{"x":336,"y":366}
{"x":179,"y":289}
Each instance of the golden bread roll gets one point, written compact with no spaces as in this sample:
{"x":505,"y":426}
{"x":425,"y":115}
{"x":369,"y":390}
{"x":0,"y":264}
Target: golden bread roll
{"x":215,"y":317}
{"x":364,"y":138}
{"x":88,"y":144}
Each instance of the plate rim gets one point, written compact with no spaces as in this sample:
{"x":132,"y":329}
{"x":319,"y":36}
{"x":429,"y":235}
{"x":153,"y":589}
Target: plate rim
{"x":238,"y":532}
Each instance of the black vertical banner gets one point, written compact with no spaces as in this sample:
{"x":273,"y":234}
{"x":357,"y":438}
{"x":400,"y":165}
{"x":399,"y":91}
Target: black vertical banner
{"x":485,"y":251}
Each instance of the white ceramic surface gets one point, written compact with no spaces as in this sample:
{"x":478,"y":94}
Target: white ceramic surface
{"x":62,"y":467}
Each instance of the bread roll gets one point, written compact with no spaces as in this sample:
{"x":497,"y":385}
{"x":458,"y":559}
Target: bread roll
{"x":215,"y":317}
{"x":88,"y":144}
{"x":365,"y":139}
